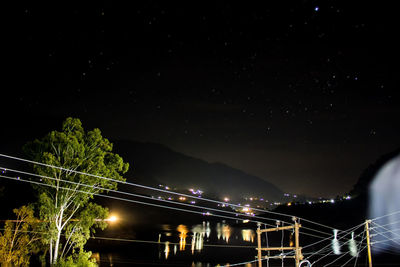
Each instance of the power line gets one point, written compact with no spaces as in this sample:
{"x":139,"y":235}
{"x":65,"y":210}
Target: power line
{"x":157,"y":189}
{"x":386,"y":215}
{"x":124,"y":199}
{"x":240,"y":263}
{"x":335,"y":260}
{"x":142,"y":241}
{"x":332,"y":252}
{"x":387,"y":230}
{"x":137,"y":195}
{"x":338,"y":240}
{"x":128,"y":200}
{"x":157,"y":199}
{"x":353,"y":258}
{"x":387,"y":250}
{"x":358,"y":247}
{"x":388,"y":238}
{"x":171,"y":243}
{"x":395,"y":222}
{"x":344,"y":233}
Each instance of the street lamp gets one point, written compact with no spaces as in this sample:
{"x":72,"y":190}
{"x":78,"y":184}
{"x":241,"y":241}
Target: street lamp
{"x":112,"y":218}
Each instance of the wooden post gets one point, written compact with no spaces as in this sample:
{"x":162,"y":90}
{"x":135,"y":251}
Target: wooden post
{"x":259,"y":245}
{"x":297,"y":249}
{"x":367,"y":222}
{"x":298,"y":254}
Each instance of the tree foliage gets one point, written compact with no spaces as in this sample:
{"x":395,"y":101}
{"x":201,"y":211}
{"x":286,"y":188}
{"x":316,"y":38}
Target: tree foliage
{"x":79,"y":259}
{"x":64,"y":203}
{"x":19,"y":239}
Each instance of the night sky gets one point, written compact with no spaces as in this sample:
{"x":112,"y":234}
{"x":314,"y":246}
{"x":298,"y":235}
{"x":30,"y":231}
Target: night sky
{"x":300,"y":93}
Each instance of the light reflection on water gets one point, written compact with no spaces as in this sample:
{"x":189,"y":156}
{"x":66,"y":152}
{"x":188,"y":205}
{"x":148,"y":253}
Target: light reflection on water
{"x":188,"y":242}
{"x":183,"y":230}
{"x":199,"y":234}
{"x":248,"y":235}
{"x":224,"y":231}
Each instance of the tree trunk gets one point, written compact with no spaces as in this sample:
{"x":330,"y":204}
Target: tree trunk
{"x":51,"y":251}
{"x":59,"y":229}
{"x":55,"y":253}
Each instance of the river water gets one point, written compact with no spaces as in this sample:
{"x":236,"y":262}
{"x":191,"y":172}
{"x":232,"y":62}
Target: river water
{"x":207,"y":243}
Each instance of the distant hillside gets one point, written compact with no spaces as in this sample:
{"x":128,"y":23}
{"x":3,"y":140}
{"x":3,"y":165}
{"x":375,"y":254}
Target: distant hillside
{"x":153,"y":164}
{"x":361,"y":187}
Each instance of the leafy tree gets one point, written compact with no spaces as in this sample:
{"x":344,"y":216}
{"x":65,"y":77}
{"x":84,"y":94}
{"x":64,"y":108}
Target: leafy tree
{"x":80,"y":259}
{"x":19,"y":238}
{"x":65,"y":203}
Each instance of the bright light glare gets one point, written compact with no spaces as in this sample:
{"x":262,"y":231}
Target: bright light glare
{"x":113,"y":219}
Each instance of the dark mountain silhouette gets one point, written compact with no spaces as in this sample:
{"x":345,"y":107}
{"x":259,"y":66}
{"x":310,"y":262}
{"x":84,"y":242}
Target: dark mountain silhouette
{"x":154,"y":164}
{"x":362,"y":185}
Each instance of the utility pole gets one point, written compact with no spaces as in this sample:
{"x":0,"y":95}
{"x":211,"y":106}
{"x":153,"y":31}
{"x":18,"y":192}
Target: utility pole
{"x":259,"y":244}
{"x":367,"y":222}
{"x":297,"y":249}
{"x":299,"y":256}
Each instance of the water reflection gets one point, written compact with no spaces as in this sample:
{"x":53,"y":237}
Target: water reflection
{"x":248,"y":235}
{"x":180,"y":242}
{"x":200,"y":234}
{"x":183,"y":230}
{"x":224,"y":231}
{"x":166,"y":250}
{"x":199,"y":264}
{"x":197,"y":242}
